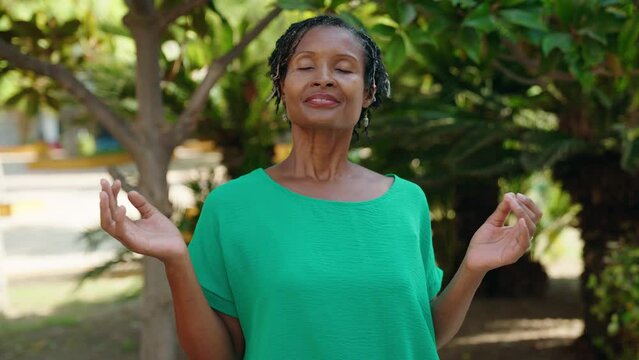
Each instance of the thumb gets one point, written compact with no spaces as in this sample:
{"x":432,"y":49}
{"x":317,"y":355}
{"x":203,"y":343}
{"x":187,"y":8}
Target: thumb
{"x":144,"y":207}
{"x":498,"y":217}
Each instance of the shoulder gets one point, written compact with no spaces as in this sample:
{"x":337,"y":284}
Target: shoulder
{"x":235,"y":190}
{"x":395,"y":183}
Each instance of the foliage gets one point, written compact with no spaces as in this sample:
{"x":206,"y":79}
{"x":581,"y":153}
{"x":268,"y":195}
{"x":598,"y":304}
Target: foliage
{"x":187,"y":218}
{"x":616,"y":291}
{"x":92,"y":239}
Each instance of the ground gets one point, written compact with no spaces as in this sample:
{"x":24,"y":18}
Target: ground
{"x":106,"y":326}
{"x":522,"y":329}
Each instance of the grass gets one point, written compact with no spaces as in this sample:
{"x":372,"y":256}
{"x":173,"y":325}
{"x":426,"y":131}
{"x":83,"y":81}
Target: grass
{"x":43,"y":297}
{"x":58,"y":320}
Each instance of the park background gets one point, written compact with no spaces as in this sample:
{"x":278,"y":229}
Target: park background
{"x":169,"y":96}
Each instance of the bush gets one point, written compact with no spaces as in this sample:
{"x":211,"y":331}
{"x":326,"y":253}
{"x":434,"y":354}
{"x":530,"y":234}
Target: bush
{"x":616,"y":291}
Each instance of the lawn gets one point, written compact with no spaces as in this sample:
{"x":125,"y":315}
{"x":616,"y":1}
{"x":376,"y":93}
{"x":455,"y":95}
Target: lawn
{"x":56,"y":319}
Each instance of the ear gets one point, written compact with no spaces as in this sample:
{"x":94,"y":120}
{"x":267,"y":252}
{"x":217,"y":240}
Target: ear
{"x":369,"y":96}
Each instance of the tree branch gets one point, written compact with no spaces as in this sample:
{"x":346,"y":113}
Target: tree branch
{"x":116,"y":125}
{"x":189,"y":117}
{"x":146,"y":7}
{"x":515,"y":77}
{"x":170,"y":15}
{"x":116,"y":174}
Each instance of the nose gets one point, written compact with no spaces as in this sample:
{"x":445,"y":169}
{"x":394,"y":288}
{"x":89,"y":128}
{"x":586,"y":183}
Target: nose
{"x":324,"y":78}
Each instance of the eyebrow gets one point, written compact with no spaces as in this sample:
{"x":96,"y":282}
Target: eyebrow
{"x":341,"y":55}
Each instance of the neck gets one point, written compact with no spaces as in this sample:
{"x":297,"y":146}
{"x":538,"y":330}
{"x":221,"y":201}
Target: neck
{"x":318,"y":154}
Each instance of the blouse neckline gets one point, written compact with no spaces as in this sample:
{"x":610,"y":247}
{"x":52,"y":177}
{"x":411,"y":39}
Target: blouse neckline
{"x":297,"y":195}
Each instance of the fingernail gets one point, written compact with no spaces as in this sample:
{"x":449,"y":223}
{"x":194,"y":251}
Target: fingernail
{"x":521,"y":196}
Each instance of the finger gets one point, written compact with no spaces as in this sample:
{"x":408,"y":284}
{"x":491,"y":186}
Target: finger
{"x":498,"y":217}
{"x":115,"y":190}
{"x":531,"y":218}
{"x":120,"y":224}
{"x":524,"y":235}
{"x":108,"y":189}
{"x":530,"y":205}
{"x":117,"y":186}
{"x":144,"y":207}
{"x":519,"y":210}
{"x":106,"y":220}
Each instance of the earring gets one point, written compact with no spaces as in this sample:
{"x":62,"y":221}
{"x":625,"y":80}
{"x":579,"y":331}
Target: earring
{"x":285,"y":117}
{"x":365,"y":119}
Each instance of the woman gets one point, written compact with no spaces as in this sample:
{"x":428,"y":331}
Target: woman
{"x":318,"y":257}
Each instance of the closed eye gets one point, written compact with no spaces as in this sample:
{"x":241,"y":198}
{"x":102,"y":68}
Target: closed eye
{"x":305,"y":68}
{"x":344,"y":71}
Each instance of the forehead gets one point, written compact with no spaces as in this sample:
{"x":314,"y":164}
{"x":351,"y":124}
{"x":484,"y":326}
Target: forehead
{"x":330,"y":40}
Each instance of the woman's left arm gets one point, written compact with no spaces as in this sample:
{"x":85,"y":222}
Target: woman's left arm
{"x":493,"y":245}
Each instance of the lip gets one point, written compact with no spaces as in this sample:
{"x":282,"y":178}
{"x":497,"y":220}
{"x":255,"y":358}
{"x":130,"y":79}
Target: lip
{"x":321,"y":100}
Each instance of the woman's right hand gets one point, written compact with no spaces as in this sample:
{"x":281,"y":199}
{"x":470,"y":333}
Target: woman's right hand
{"x":153,"y":234}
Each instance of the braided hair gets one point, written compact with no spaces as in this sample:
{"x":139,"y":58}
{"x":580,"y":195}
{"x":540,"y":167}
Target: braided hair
{"x":375,"y":75}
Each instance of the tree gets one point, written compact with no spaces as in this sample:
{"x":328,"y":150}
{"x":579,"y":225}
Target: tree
{"x":147,"y":136}
{"x":556,"y":81}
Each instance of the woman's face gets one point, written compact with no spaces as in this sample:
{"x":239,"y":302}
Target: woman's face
{"x":324,"y":83}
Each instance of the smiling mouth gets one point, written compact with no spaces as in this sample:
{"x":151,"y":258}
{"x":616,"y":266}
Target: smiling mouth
{"x":321,"y":100}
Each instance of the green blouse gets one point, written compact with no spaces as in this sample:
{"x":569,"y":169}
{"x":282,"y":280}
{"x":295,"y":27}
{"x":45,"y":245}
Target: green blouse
{"x":320,"y":279}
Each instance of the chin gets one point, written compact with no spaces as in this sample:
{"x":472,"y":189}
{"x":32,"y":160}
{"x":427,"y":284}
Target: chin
{"x":326,"y":123}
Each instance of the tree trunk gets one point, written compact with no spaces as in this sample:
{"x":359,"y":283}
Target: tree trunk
{"x":158,"y":337}
{"x":609,"y":198}
{"x":4,"y":288}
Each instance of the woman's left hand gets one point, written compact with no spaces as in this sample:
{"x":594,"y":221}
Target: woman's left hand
{"x":495,"y":244}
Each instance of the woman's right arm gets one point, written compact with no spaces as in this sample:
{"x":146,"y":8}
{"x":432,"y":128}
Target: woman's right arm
{"x":203,"y":333}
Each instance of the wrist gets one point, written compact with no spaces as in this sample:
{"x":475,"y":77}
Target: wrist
{"x":472,"y":271}
{"x":177,"y":260}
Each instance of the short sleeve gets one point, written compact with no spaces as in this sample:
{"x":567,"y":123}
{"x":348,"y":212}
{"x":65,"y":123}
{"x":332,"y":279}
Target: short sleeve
{"x":434,"y":274}
{"x":207,"y":256}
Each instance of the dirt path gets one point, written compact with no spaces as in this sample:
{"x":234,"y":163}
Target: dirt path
{"x":522,"y":329}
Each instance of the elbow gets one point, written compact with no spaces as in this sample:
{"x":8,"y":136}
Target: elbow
{"x":441,"y":342}
{"x":204,"y":350}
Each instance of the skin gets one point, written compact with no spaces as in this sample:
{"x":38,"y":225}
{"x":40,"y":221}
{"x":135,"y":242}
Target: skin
{"x":323,"y":93}
{"x":328,"y":62}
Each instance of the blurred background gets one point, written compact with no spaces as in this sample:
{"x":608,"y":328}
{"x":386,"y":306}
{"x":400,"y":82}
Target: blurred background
{"x":169,"y":96}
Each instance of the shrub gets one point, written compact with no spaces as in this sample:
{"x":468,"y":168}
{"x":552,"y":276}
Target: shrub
{"x":616,"y":291}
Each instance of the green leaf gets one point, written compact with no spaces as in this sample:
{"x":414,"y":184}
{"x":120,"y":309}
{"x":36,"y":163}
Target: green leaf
{"x":16,"y":98}
{"x":352,"y":19}
{"x":33,"y":103}
{"x":383,"y":30}
{"x":593,"y":53}
{"x":392,"y":8}
{"x":630,"y":152}
{"x":301,"y":4}
{"x":27,"y":29}
{"x":335,"y":3}
{"x":561,"y":41}
{"x":627,"y":41}
{"x":529,"y":18}
{"x":223,"y":35}
{"x":420,"y":36}
{"x":470,"y":42}
{"x":592,"y":33}
{"x":407,"y":13}
{"x":198,"y":21}
{"x":196,"y":53}
{"x":68,"y":28}
{"x":111,"y":29}
{"x":481,"y":18}
{"x":395,"y":54}
{"x":464,"y":4}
